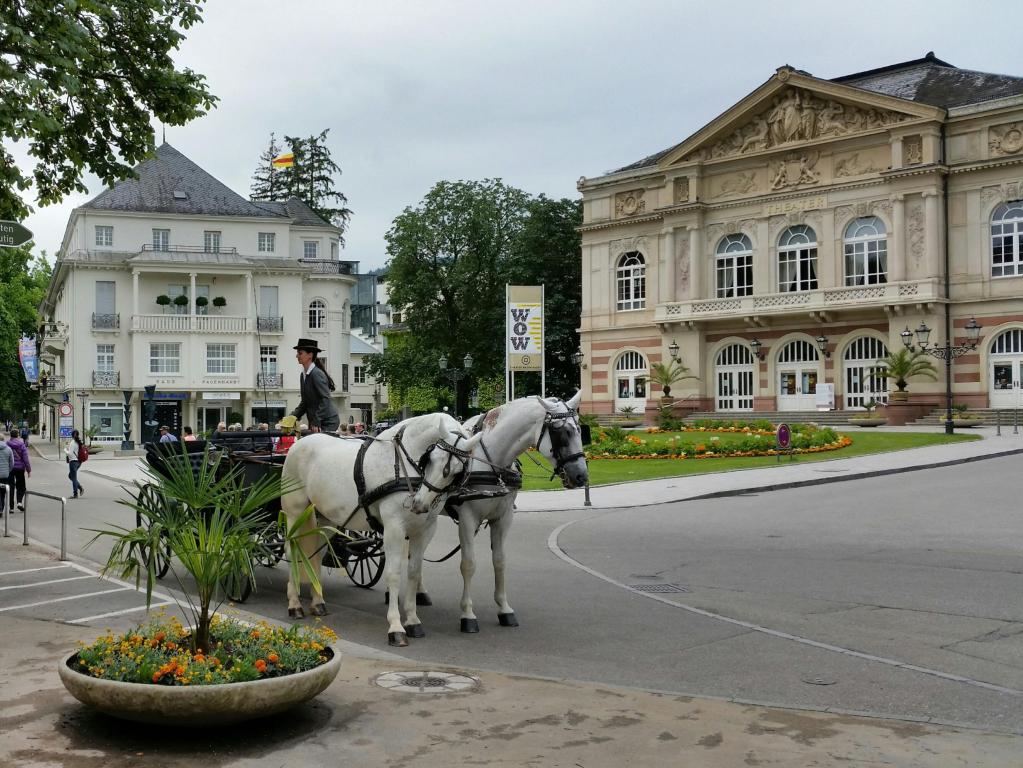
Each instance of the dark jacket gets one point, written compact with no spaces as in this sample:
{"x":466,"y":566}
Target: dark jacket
{"x":316,"y":404}
{"x":17,"y":446}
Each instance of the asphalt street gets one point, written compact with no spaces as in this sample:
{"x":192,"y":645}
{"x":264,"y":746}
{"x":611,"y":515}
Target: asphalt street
{"x":896,"y":596}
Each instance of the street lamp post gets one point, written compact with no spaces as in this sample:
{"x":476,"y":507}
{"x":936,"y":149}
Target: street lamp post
{"x":948,"y":353}
{"x":456,"y":374}
{"x":83,"y":396}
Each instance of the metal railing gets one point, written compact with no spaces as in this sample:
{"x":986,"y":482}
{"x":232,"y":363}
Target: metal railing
{"x":52,"y":383}
{"x":106,"y":379}
{"x":106,"y":322}
{"x":187,"y":249}
{"x":270,"y":324}
{"x":273,"y":380}
{"x":24,"y":527}
{"x":331,"y":267}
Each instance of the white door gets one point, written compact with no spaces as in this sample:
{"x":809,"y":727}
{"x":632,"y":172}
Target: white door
{"x":1006,"y":383}
{"x":798,"y":369}
{"x":631,"y":383}
{"x":734,"y":373}
{"x":864,"y":378}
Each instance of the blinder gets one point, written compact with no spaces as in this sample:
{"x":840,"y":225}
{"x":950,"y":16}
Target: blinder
{"x":559,"y":437}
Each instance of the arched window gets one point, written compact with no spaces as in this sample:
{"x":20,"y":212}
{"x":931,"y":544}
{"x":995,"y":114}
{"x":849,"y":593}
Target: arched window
{"x":317,"y":314}
{"x":798,"y":351}
{"x":631,"y":281}
{"x":866,"y":252}
{"x":797,"y":259}
{"x":1007,"y":240}
{"x":630,"y":381}
{"x":734,"y":263}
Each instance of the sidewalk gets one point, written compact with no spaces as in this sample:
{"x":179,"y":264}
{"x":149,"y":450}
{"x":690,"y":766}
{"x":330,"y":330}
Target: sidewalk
{"x":663,"y":490}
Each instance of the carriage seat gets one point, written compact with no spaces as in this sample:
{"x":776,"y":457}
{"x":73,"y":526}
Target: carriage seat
{"x":157,"y":454}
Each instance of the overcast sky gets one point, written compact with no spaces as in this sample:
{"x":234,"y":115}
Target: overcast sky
{"x":536,"y":93}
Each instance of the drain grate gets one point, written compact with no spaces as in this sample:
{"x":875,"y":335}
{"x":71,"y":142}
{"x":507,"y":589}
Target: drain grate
{"x":817,"y":680}
{"x":660,"y":588}
{"x":415,"y":681}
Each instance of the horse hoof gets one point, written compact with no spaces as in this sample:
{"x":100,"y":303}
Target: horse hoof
{"x":470,"y":626}
{"x":320,"y":609}
{"x":423,"y":599}
{"x":507,"y":620}
{"x":415,"y":630}
{"x":296,"y":613}
{"x":397,"y":639}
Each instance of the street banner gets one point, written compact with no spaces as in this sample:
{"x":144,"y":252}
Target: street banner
{"x":29,"y":359}
{"x":524,"y":321}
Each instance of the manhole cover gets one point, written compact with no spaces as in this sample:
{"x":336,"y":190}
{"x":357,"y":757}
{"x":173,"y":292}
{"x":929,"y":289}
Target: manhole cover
{"x":814,"y":680}
{"x":662,"y":588}
{"x":416,"y":681}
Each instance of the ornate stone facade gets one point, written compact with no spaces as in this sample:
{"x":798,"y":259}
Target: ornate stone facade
{"x":1006,"y":139}
{"x":629,"y":203}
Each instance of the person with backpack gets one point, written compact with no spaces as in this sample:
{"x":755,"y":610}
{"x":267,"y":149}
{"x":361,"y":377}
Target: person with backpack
{"x":75,"y":454}
{"x":6,"y":471}
{"x":22,"y":469}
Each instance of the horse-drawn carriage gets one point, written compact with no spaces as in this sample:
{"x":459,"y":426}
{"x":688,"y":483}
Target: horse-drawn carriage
{"x":250,"y":456}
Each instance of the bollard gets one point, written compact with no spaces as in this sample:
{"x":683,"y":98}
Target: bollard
{"x":998,"y":423}
{"x":3,"y":495}
{"x":586,"y":500}
{"x":24,"y":522}
{"x":1015,"y":421}
{"x":63,"y":528}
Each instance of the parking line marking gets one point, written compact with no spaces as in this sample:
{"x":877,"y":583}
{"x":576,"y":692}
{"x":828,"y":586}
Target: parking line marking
{"x":62,"y":599}
{"x":33,"y":570}
{"x":44,"y":583}
{"x":552,"y":545}
{"x":118,"y":613}
{"x":138,"y":588}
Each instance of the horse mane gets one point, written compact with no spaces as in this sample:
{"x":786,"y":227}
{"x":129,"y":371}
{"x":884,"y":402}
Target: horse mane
{"x":435,"y":426}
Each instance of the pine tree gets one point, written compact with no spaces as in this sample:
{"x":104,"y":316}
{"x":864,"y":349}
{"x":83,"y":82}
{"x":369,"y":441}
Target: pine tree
{"x":311,"y":179}
{"x":267,"y":181}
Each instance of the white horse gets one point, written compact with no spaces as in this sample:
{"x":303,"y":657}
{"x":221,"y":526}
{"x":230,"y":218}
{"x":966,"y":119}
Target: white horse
{"x":488,"y":494}
{"x":346,"y":479}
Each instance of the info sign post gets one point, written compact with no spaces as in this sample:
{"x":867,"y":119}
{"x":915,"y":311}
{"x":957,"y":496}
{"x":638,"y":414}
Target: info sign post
{"x":784,"y":441}
{"x":524,"y":342}
{"x":13,"y":234}
{"x":66,"y":420}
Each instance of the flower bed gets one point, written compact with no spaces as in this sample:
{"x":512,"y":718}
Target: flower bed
{"x":161,"y":653}
{"x":739,"y":440}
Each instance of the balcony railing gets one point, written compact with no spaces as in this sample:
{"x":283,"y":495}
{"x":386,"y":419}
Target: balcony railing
{"x":106,"y":379}
{"x":51,"y":384}
{"x":269,"y":380}
{"x":820,"y":300}
{"x":106,"y":322}
{"x":270,"y":324}
{"x":186,"y":249}
{"x":189,"y":323}
{"x":331,"y":267}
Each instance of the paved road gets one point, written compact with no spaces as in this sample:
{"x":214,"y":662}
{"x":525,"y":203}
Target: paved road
{"x":843,"y":584}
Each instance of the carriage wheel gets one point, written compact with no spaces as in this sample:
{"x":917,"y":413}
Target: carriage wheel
{"x":364,"y":558}
{"x":273,"y":543}
{"x":237,"y":587}
{"x":149,"y":501}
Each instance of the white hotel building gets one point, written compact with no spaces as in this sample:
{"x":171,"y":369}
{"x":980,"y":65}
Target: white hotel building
{"x":249,"y":278}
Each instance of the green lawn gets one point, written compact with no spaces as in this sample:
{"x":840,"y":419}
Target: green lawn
{"x":604,"y":471}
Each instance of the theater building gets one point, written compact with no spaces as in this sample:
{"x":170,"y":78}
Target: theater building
{"x":809,"y":225}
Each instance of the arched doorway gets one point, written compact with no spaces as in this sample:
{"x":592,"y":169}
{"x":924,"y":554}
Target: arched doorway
{"x":798,"y":368}
{"x":864,"y":378}
{"x":1006,"y":369}
{"x":631,"y":376}
{"x":734,"y":374}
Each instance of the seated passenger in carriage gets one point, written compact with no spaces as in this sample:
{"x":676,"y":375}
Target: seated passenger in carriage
{"x":284,"y":442}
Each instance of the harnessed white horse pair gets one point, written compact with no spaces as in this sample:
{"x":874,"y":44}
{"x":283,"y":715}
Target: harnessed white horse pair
{"x":488,"y":493}
{"x":377,"y":484}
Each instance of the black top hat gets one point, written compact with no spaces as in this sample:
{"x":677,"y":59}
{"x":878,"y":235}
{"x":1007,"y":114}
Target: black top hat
{"x":308,"y":345}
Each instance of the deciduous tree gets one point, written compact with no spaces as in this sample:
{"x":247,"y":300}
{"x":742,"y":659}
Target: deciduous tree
{"x":23,"y":280}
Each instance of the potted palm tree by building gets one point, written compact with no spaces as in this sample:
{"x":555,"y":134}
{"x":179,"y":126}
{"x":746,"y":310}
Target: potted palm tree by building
{"x":870,"y":418}
{"x":903,"y":365}
{"x":665,"y":375}
{"x":963,"y":418}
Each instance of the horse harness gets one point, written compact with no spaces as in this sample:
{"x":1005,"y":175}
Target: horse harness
{"x":507,"y":479}
{"x":559,"y":440}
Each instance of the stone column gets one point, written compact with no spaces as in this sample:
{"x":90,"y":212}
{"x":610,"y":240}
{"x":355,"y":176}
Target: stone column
{"x":669,"y":282}
{"x":763,"y":260}
{"x":191,"y":293}
{"x":135,"y":292}
{"x":250,"y":323}
{"x":934,"y":245}
{"x":696,"y":257}
{"x":897,"y":255}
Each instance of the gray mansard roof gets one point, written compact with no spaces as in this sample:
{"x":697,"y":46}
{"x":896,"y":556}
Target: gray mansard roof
{"x":294,"y":209}
{"x":928,"y":81}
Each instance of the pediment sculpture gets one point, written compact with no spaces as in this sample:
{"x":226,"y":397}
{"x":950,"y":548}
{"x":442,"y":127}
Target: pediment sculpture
{"x":795,"y":170}
{"x":797,"y":115}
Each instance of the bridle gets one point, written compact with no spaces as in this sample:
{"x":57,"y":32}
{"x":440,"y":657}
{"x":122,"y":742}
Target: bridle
{"x":451,"y":449}
{"x":558,"y":435}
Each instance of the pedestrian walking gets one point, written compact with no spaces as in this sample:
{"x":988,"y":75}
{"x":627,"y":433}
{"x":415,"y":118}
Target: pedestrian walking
{"x":25,"y":433}
{"x":315,"y":387}
{"x":42,"y":432}
{"x":22,"y":469}
{"x":166,"y":436}
{"x":6,"y":471}
{"x":74,"y":454}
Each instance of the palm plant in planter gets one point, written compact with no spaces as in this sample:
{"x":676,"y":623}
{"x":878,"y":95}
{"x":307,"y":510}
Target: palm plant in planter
{"x":903,"y":365}
{"x":870,"y":418}
{"x":665,"y":375}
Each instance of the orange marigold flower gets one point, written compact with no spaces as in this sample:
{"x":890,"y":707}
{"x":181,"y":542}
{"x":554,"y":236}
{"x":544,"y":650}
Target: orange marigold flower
{"x":255,"y":634}
{"x":260,"y":666}
{"x":273,"y":658}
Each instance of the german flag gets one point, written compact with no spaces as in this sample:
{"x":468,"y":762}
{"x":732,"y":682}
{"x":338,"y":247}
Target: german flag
{"x":284,"y":161}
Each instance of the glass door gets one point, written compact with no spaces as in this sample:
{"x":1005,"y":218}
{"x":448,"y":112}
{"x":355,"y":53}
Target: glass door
{"x":1006,"y":379}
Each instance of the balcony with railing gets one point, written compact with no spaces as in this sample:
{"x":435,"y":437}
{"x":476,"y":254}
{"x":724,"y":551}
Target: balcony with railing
{"x":54,"y":337}
{"x":269,"y":380}
{"x":105,"y":322}
{"x":820,"y":300}
{"x":189,"y":324}
{"x":331,"y":267}
{"x":270,"y":324}
{"x":106,"y":379}
{"x":150,"y":248}
{"x":52,"y":383}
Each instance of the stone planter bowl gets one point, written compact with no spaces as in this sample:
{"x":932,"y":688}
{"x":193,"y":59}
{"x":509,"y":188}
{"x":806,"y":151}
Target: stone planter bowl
{"x":873,"y":421}
{"x":199,"y":705}
{"x":967,"y":422}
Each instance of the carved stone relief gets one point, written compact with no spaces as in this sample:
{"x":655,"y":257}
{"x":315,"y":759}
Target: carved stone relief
{"x":846,"y":213}
{"x":1005,"y":139}
{"x":795,"y":170}
{"x":628,"y":245}
{"x":630,"y":203}
{"x":683,"y":265}
{"x":915,"y":225}
{"x":681,"y":190}
{"x":746,"y":227}
{"x":794,"y":116}
{"x":857,"y":164}
{"x":736,"y":184}
{"x":913,"y":150}
{"x":1012,"y":190}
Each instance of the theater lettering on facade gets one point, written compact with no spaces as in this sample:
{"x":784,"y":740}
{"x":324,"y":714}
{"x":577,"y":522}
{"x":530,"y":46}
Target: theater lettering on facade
{"x":813,"y":209}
